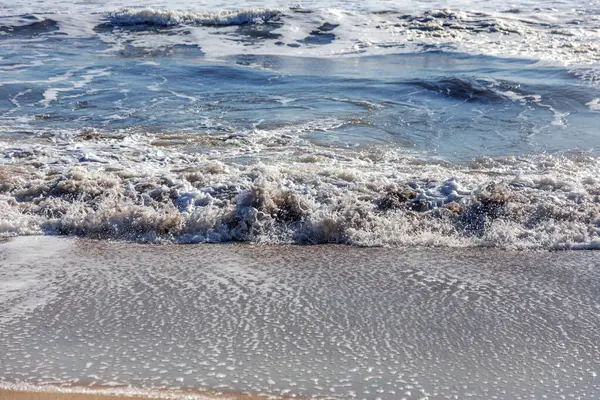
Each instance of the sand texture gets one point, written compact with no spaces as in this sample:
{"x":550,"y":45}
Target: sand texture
{"x":327,"y":322}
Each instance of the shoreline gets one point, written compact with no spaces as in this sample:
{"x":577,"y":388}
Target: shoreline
{"x":101,"y":320}
{"x":27,"y":392}
{"x":89,"y":240}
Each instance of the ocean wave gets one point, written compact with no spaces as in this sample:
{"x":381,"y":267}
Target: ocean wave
{"x":176,"y":18}
{"x":29,"y":25}
{"x":567,"y":39}
{"x":364,"y":199}
{"x":468,"y":88}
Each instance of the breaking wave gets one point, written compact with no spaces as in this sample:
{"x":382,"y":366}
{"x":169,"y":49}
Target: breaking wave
{"x":283,"y":189}
{"x":367,"y":198}
{"x":468,"y":88}
{"x":565,"y":37}
{"x":176,"y":18}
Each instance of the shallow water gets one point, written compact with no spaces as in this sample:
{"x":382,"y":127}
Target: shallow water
{"x":451,"y":105}
{"x":318,"y":322}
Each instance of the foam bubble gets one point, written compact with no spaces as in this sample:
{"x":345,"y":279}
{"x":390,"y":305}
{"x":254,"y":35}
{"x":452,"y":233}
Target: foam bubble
{"x":23,"y":286}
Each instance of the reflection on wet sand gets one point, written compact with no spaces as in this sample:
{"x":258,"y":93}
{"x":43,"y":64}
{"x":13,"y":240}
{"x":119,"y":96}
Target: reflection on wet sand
{"x":333,"y":322}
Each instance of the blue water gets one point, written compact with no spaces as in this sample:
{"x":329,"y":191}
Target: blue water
{"x":452,"y":105}
{"x":162,"y":126}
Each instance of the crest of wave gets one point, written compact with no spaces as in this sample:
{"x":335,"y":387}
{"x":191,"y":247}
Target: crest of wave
{"x":131,"y":16}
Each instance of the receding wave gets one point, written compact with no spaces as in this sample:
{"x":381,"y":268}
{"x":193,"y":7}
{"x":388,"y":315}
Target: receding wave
{"x":176,"y":18}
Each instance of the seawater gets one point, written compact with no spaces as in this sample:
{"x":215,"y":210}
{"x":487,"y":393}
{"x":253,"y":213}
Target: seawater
{"x":453,"y":124}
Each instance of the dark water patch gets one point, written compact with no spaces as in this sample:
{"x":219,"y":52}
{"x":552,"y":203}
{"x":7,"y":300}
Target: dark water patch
{"x":83,"y":105}
{"x":259,"y":31}
{"x":318,"y":38}
{"x":174,"y":51}
{"x":107,"y":27}
{"x":33,"y":29}
{"x":437,"y":48}
{"x":327,"y":27}
{"x":465,"y":88}
{"x":384,"y":12}
{"x":538,"y":24}
{"x":300,"y":10}
{"x":392,"y":45}
{"x":267,"y":62}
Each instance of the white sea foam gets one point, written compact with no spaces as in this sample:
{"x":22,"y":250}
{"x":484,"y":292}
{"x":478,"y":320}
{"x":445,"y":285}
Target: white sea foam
{"x":528,"y":34}
{"x":23,"y":286}
{"x":265,"y":185}
{"x":50,"y":95}
{"x":367,"y":197}
{"x":565,"y":36}
{"x":594,"y":105}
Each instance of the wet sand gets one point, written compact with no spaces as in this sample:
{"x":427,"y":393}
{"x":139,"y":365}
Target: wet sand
{"x":79,"y":395}
{"x":331,"y":322}
{"x":20,"y":395}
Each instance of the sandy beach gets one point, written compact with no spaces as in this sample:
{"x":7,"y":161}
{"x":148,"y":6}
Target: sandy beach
{"x":74,"y":395}
{"x":332,"y":322}
{"x":19,"y":395}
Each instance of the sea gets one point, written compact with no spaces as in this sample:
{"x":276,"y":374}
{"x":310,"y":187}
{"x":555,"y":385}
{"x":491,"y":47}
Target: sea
{"x":319,"y":200}
{"x":387,"y":123}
